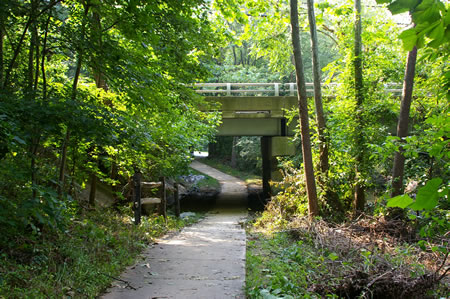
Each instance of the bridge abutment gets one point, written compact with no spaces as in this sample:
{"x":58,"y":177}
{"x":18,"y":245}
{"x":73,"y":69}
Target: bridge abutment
{"x":271,"y":148}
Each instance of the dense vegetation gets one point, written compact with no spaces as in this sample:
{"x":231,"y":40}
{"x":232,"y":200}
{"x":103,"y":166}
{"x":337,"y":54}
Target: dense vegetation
{"x":363,"y":140}
{"x":92,"y":91}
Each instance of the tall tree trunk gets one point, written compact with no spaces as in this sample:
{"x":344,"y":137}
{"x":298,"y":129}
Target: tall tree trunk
{"x":33,"y":45}
{"x":3,"y":145}
{"x":234,"y":152}
{"x":31,"y":73}
{"x":36,"y":75}
{"x":93,"y":190}
{"x":44,"y":53}
{"x":320,"y":118}
{"x":62,"y":165}
{"x":2,"y":37}
{"x":313,"y":206}
{"x":359,"y":196}
{"x":403,"y":120}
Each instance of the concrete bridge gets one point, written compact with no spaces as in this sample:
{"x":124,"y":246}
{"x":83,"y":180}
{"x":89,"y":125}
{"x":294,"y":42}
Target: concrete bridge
{"x":260,"y":109}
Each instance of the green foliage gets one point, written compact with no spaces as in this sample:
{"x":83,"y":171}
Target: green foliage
{"x":432,"y":20}
{"x":95,"y":89}
{"x":426,"y":198}
{"x":433,"y":204}
{"x":279,"y":268}
{"x":290,"y":202}
{"x":382,"y":63}
{"x":249,"y":153}
{"x":81,"y":260}
{"x":315,"y":261}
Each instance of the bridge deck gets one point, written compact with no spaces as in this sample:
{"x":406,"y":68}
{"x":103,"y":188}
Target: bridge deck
{"x":260,"y":109}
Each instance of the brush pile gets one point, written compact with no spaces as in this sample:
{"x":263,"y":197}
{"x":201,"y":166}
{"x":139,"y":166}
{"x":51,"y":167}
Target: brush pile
{"x":374,"y":258}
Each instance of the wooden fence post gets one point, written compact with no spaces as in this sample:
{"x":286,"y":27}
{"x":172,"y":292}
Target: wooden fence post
{"x":177,"y":200}
{"x":163,"y":206}
{"x":137,"y":196}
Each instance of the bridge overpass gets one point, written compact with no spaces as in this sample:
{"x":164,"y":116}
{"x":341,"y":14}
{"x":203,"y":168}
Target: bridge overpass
{"x":260,"y":109}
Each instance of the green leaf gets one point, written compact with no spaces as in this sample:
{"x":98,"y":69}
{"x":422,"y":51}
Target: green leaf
{"x":426,"y":14}
{"x":400,"y":6}
{"x":409,"y":39}
{"x":447,"y":18}
{"x":401,"y":201}
{"x":333,"y":256}
{"x":427,"y":196}
{"x":383,"y":1}
{"x":437,"y":35}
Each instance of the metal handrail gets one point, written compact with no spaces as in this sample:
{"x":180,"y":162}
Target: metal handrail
{"x":274,"y":89}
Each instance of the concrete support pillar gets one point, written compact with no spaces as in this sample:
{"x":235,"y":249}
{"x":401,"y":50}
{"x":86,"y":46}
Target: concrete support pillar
{"x":267,"y":165}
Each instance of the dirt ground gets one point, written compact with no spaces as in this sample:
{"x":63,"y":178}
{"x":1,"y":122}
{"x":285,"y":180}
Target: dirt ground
{"x":206,"y":260}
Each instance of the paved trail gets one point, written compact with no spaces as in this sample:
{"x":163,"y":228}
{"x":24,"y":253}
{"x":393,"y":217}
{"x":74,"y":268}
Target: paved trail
{"x":206,"y":260}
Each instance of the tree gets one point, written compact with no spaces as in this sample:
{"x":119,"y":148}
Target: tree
{"x":313,"y":206}
{"x":320,"y":118}
{"x":59,"y":120}
{"x":403,"y":120}
{"x":431,"y":20}
{"x":359,"y":196}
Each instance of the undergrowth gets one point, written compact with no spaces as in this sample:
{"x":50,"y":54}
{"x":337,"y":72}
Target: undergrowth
{"x":359,"y":260}
{"x":81,"y":260}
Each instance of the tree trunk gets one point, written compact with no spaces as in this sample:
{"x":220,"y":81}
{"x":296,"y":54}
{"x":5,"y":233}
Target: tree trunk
{"x":31,"y":74}
{"x":62,"y":165}
{"x":16,"y":52}
{"x":313,"y":206}
{"x":359,"y":196}
{"x":2,"y":37}
{"x":320,"y":118}
{"x":33,"y":45}
{"x":36,"y":76}
{"x":44,"y":52}
{"x":402,"y":125}
{"x":93,"y":190}
{"x":234,"y":152}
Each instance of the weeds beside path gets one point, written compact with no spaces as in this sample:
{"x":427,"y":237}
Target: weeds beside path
{"x":358,"y":260}
{"x":81,"y":260}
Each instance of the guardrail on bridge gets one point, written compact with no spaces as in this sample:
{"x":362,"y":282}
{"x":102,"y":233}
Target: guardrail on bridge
{"x":271,"y":89}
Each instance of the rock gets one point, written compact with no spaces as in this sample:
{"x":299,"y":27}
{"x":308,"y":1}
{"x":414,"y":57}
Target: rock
{"x":187,"y":215}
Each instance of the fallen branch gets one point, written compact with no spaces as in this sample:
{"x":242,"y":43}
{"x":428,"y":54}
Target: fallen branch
{"x":128,"y":285}
{"x":377,"y":278}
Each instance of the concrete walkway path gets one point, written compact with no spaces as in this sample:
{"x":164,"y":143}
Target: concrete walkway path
{"x":206,"y":260}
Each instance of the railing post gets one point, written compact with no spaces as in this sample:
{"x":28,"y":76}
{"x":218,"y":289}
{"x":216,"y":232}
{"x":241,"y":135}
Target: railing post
{"x":163,"y":206}
{"x":228,"y":89}
{"x":277,"y":89}
{"x":137,"y":196}
{"x":177,"y":200}
{"x":291,"y":89}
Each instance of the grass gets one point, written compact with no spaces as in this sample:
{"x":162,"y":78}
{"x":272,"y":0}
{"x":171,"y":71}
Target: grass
{"x":248,"y":177}
{"x":206,"y":182}
{"x":81,"y":260}
{"x":320,"y":261}
{"x":278,"y":267}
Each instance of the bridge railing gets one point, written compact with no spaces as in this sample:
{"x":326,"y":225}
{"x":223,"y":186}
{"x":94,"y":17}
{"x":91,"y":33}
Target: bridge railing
{"x":270,"y":89}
